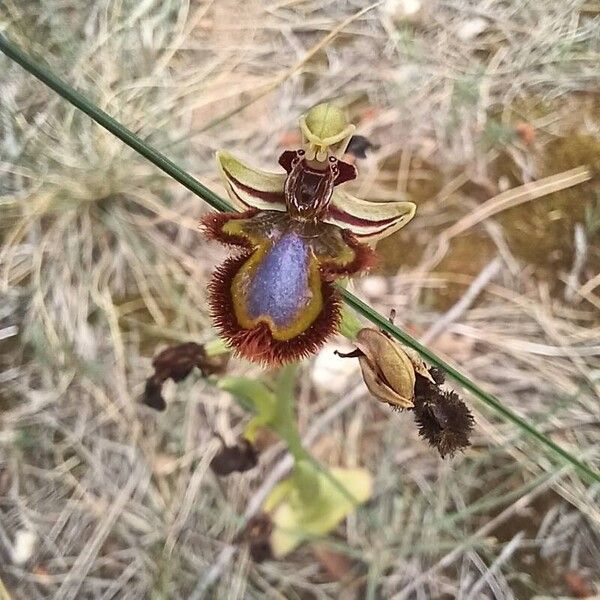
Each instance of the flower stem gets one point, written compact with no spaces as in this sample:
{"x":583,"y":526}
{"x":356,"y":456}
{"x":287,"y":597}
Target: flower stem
{"x":78,"y":100}
{"x":306,"y":465}
{"x":285,"y":421}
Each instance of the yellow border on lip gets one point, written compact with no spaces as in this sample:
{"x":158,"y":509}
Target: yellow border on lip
{"x":237,"y":227}
{"x":306,"y":316}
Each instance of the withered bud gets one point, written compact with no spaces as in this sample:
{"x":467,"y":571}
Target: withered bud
{"x":176,"y":363}
{"x":397,"y":375}
{"x":389,"y":368}
{"x":153,"y":394}
{"x":230,"y":459}
{"x":257,"y":534}
{"x":443,"y":419}
{"x":359,"y":145}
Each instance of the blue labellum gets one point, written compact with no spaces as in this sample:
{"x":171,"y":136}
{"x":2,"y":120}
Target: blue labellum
{"x":279,"y":288}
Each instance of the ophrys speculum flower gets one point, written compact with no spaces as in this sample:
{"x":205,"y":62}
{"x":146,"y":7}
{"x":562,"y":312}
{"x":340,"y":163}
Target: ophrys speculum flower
{"x":275,"y":301}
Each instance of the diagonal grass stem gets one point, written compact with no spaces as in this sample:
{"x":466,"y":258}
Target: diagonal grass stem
{"x":488,"y":399}
{"x":127,"y":136}
{"x":170,"y":168}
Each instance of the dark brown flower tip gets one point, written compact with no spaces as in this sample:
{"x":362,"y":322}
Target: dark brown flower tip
{"x":359,"y":145}
{"x":152,"y":396}
{"x":258,"y":344}
{"x":177,"y":362}
{"x":230,"y":459}
{"x":443,"y":419}
{"x":257,"y":535}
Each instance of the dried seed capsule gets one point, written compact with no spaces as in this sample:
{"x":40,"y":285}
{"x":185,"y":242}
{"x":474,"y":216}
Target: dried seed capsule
{"x":397,"y":375}
{"x":388,"y":368}
{"x":444,"y":421}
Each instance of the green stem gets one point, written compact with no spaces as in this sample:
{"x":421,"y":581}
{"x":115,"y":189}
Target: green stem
{"x":285,"y":419}
{"x":467,"y":383}
{"x":285,"y":425}
{"x":171,"y":169}
{"x":216,"y":346}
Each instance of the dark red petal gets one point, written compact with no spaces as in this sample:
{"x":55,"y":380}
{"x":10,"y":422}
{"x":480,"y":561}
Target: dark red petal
{"x":212,"y":223}
{"x":347,"y":172}
{"x":257,"y":344}
{"x":272,"y":197}
{"x":285,"y":160}
{"x":365,"y":259}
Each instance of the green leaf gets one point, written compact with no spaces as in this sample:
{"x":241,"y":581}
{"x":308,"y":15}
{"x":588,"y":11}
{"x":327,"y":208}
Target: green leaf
{"x":301,"y":514}
{"x":254,"y":396}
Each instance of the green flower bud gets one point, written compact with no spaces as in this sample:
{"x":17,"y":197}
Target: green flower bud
{"x":325,"y":132}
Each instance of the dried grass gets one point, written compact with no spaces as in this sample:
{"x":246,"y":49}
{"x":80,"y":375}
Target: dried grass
{"x":101,"y":264}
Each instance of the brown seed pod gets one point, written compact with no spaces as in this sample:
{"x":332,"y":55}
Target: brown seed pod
{"x":397,"y":375}
{"x":388,"y":368}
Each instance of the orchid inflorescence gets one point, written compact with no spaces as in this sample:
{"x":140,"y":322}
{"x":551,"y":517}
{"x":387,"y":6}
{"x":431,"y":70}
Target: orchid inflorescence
{"x":275,"y":302}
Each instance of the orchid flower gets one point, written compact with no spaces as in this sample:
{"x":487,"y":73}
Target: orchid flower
{"x":296,"y":233}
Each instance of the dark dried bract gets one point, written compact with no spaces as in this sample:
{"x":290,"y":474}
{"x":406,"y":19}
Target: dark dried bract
{"x":437,"y":375}
{"x":176,"y":363}
{"x":153,"y":394}
{"x":239,"y":458}
{"x":442,"y":417}
{"x":359,"y":146}
{"x":257,"y":535}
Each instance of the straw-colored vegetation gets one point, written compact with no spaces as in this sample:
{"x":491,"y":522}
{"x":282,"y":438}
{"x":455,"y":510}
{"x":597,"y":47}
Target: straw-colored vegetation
{"x":485,"y":113}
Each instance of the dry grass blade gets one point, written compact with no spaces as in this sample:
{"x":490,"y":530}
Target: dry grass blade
{"x":277,"y":81}
{"x":519,"y":195}
{"x":4,"y":595}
